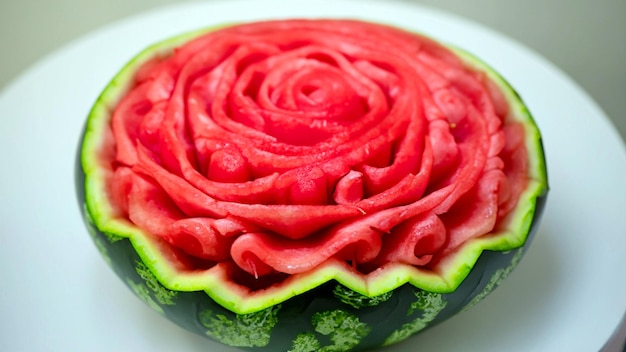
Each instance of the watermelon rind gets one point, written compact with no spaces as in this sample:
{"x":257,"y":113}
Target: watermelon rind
{"x":199,"y":300}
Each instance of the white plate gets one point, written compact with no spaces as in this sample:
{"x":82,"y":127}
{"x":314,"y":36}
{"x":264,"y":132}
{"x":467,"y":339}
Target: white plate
{"x":58,"y":295}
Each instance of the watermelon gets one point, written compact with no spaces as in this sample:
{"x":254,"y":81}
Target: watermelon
{"x":310,"y":185}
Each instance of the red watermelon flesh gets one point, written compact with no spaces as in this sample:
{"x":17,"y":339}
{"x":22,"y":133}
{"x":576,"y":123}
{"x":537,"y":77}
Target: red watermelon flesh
{"x":274,"y":147}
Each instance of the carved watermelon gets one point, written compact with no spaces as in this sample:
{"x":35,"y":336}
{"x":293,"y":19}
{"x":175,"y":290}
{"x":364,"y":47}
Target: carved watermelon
{"x":310,"y":185}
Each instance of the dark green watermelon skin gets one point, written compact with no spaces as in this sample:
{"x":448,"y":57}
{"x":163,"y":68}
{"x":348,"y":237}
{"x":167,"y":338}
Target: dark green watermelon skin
{"x":400,"y":312}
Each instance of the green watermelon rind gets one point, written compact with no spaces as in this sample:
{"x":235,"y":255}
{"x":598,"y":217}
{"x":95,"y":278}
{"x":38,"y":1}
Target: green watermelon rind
{"x":292,"y":325}
{"x":241,"y":301}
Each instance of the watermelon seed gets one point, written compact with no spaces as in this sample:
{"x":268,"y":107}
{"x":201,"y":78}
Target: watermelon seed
{"x":253,"y":267}
{"x":381,"y":231}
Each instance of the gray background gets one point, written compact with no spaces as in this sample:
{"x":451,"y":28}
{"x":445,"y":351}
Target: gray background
{"x":586,"y":39}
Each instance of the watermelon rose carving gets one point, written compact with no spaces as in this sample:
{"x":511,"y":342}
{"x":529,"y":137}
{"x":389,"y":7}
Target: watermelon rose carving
{"x":257,"y":162}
